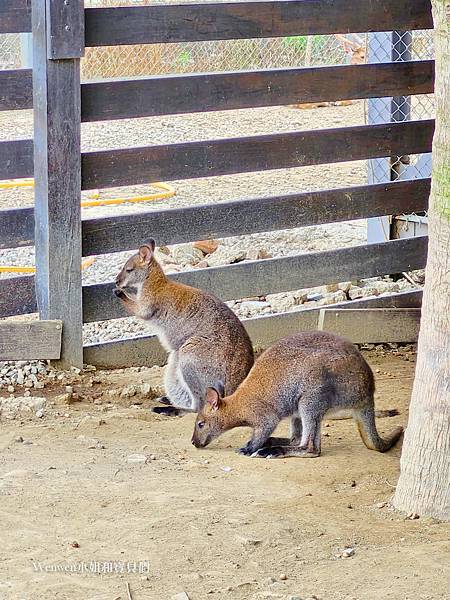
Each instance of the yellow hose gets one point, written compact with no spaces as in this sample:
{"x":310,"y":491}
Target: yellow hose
{"x":168,"y":193}
{"x":14,"y":269}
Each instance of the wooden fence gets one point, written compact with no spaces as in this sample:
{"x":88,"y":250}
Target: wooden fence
{"x":61,"y":32}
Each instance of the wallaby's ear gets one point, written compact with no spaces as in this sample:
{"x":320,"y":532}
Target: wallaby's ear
{"x":213,"y":399}
{"x":146,"y":251}
{"x":220,"y":388}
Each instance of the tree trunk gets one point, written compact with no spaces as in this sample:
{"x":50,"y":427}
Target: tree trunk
{"x":424,"y":484}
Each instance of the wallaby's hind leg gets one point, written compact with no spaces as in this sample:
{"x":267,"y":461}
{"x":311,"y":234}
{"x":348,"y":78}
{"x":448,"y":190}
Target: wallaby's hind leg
{"x":177,"y":394}
{"x":365,"y":419}
{"x":306,"y":447}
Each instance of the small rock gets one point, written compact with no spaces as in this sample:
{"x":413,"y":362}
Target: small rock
{"x":257,"y":254}
{"x":206,"y":246}
{"x":283,"y":577}
{"x":347,"y":552}
{"x":412,"y":516}
{"x":380,"y":504}
{"x":75,"y":545}
{"x":180,"y":596}
{"x":186,"y":254}
{"x":225,"y":255}
{"x":10,"y":389}
{"x":137,"y":458}
{"x":248,"y":541}
{"x":40,"y":413}
{"x":18,"y":439}
{"x":226,"y":469}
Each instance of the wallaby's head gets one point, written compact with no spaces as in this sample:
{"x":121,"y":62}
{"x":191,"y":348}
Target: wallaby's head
{"x":135,"y":271}
{"x":211,"y":420}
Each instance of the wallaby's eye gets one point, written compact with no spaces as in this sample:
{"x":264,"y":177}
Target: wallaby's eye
{"x":129,"y":269}
{"x":201,"y":424}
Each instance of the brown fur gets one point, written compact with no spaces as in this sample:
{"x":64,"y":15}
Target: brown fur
{"x":207,"y":344}
{"x":307,"y":377}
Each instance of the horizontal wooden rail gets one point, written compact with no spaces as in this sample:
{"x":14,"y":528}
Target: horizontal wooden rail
{"x":245,"y":279}
{"x":279,"y":274}
{"x":176,"y":94}
{"x":37,"y":340}
{"x":15,"y":16}
{"x":16,"y":89}
{"x":371,"y":325}
{"x":128,"y":166}
{"x":263,"y":331}
{"x":226,"y":219}
{"x":238,"y":20}
{"x":233,"y":20}
{"x":16,"y":159}
{"x":176,"y":225}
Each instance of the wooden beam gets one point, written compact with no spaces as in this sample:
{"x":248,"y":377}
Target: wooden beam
{"x":37,"y":340}
{"x":372,"y":325}
{"x":239,"y":20}
{"x":128,"y":166}
{"x":57,"y":106}
{"x":15,"y":16}
{"x":178,"y":94}
{"x":175,"y":225}
{"x":257,"y":278}
{"x":16,"y":159}
{"x":263,"y":331}
{"x":245,"y":279}
{"x":227,"y":219}
{"x":16,"y":89}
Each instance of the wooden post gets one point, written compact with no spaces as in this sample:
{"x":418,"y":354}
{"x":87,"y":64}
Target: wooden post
{"x":58,"y":44}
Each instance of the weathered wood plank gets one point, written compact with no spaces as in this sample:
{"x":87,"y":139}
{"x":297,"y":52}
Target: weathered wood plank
{"x":16,"y":227}
{"x":15,"y":16}
{"x":237,"y":20}
{"x":245,"y":279}
{"x":176,"y":94}
{"x":36,"y":340}
{"x":278,"y":274}
{"x":65,"y":31}
{"x":176,"y":225}
{"x":16,"y":89}
{"x":16,"y":159}
{"x":262,"y":330}
{"x":128,"y":166}
{"x":57,"y":110}
{"x":372,"y":325}
{"x":125,"y":232}
{"x":17,"y":296}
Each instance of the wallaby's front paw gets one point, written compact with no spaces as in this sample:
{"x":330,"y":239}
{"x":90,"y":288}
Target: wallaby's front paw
{"x":164,"y":400}
{"x":265,"y":452}
{"x":245,"y":450}
{"x":169,"y":411}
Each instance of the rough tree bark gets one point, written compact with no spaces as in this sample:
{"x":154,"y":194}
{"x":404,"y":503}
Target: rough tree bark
{"x":424,"y":484}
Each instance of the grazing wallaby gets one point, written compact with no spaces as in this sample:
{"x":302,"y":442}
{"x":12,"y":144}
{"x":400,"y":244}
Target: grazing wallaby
{"x":307,"y":377}
{"x":207,"y":344}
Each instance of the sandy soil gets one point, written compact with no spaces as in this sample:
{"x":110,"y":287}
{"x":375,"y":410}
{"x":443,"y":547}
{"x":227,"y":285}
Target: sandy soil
{"x":211,"y":523}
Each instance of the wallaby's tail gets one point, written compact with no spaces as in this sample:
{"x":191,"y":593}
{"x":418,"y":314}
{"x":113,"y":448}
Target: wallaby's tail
{"x":365,"y":420}
{"x":391,"y":412}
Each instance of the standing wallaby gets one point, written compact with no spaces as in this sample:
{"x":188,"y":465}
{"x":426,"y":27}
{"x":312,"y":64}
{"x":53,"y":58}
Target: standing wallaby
{"x":307,"y":377}
{"x":207,"y":344}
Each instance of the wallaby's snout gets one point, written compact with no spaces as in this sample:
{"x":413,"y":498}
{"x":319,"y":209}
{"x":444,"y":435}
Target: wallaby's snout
{"x":208,"y":423}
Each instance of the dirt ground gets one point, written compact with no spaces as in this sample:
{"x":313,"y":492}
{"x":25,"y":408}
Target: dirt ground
{"x":210,"y":523}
